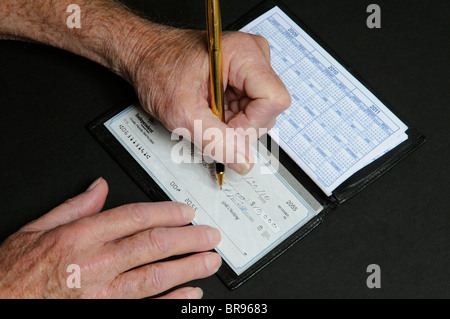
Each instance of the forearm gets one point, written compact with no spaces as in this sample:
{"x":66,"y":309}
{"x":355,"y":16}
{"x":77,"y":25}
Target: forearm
{"x":110,"y":34}
{"x":168,"y":67}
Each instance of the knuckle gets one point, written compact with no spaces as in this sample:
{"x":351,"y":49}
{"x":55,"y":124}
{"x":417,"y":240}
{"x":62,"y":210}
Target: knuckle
{"x":138,"y":213}
{"x":58,"y":242}
{"x":235,"y":37}
{"x":160,"y":243}
{"x":244,"y":40}
{"x":252,"y":49}
{"x":66,"y":236}
{"x":284,"y":100}
{"x":70,"y":202}
{"x":281,"y":99}
{"x":157,"y":278}
{"x":262,"y":42}
{"x":64,"y":233}
{"x":198,"y":235}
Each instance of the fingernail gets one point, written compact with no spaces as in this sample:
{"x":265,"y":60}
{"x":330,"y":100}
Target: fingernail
{"x":94,"y":184}
{"x":214,"y":235}
{"x":241,"y":165}
{"x":213,"y":262}
{"x":195,"y":293}
{"x":187,"y":211}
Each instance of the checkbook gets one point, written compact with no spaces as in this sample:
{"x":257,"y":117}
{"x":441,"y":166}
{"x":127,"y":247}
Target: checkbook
{"x":337,"y":138}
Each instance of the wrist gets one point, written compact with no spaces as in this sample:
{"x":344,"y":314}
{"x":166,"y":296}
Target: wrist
{"x":158,"y":59}
{"x":136,"y":41}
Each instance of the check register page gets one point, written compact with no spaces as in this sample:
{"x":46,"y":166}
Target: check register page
{"x":334,"y":127}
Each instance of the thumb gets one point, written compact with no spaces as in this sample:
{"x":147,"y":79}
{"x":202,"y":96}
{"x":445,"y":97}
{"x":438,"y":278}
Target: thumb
{"x":88,"y":203}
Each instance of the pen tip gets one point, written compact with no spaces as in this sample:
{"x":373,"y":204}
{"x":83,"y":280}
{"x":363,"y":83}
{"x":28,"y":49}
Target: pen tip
{"x":220,"y":178}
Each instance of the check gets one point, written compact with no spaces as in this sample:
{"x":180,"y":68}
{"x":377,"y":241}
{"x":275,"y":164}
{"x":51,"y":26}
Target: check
{"x":254,"y":213}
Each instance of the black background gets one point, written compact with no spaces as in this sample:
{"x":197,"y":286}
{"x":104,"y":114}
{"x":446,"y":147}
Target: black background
{"x":401,"y":222}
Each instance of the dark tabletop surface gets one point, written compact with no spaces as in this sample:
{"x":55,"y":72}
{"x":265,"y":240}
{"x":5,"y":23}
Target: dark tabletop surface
{"x":401,"y":222}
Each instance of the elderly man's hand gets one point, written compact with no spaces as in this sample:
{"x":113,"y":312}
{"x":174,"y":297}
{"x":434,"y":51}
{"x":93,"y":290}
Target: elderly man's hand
{"x":170,"y":72}
{"x":117,"y":251}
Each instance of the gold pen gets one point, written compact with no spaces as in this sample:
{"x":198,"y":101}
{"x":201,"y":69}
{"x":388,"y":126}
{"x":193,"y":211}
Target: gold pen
{"x":214,"y":31}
